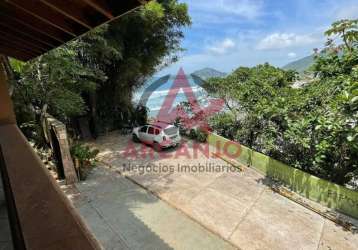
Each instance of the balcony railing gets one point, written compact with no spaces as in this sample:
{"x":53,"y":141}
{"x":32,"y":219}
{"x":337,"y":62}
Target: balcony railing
{"x":41,"y":217}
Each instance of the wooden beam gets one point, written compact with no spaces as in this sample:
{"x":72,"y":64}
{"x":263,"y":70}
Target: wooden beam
{"x":123,"y":7}
{"x":19,"y":46}
{"x":22,"y":45}
{"x":4,"y":22}
{"x":25,"y":19}
{"x":25,"y":35}
{"x":101,"y":6}
{"x":17,"y":53}
{"x":69,"y":10}
{"x":32,"y":27}
{"x":48,"y":15}
{"x":21,"y":39}
{"x":22,"y":49}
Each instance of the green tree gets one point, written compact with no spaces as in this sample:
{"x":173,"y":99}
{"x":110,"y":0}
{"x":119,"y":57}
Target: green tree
{"x":248,"y":94}
{"x":313,"y":127}
{"x":129,"y":50}
{"x":96,"y":74}
{"x":53,"y":83}
{"x":347,"y":30}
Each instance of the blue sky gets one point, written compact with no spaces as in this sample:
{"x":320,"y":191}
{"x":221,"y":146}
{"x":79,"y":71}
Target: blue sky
{"x":226,"y":34}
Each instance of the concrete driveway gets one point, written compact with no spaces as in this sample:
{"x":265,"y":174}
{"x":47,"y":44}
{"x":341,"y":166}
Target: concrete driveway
{"x":237,"y":206}
{"x":122,"y":215}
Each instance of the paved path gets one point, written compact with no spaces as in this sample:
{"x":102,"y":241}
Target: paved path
{"x":122,"y":215}
{"x":237,"y":206}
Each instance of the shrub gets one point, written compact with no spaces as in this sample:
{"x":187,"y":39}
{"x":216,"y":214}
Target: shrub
{"x":84,"y":159}
{"x":198,"y":134}
{"x":201,"y":135}
{"x":140,"y":115}
{"x":182,"y":130}
{"x":192,"y":134}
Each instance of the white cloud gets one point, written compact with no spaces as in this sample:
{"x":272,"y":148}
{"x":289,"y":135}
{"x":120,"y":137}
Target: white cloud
{"x":348,"y":12}
{"x":245,"y":8}
{"x":225,"y":10}
{"x":291,"y":55}
{"x":222,"y":47}
{"x":285,"y":40}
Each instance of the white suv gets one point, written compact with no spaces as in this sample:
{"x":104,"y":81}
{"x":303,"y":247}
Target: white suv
{"x":160,"y":135}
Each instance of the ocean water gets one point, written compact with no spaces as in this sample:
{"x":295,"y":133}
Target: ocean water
{"x":157,"y":96}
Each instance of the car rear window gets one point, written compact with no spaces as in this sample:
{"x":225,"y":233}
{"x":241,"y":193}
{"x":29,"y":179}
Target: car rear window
{"x":171,"y":130}
{"x":143,"y":129}
{"x":151,"y":130}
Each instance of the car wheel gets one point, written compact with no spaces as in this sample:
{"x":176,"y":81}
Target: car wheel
{"x":135,"y":138}
{"x":157,"y":147}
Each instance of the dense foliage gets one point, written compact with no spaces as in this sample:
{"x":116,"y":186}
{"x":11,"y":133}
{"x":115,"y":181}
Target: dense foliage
{"x":55,"y":81}
{"x":94,"y":76}
{"x":129,"y":51}
{"x":84,"y":159}
{"x":311,"y":127}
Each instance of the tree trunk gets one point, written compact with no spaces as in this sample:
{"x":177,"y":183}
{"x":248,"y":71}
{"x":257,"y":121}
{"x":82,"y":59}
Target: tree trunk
{"x":93,"y":114}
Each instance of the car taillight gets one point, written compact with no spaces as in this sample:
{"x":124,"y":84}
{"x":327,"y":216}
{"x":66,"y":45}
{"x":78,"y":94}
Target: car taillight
{"x":164,"y":138}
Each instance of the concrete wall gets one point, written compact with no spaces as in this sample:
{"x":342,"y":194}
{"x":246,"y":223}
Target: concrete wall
{"x":324,"y":192}
{"x":60,"y":135}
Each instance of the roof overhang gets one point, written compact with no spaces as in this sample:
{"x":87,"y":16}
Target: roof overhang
{"x":29,"y":28}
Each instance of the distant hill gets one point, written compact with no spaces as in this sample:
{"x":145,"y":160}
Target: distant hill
{"x":300,"y":65}
{"x":206,"y":73}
